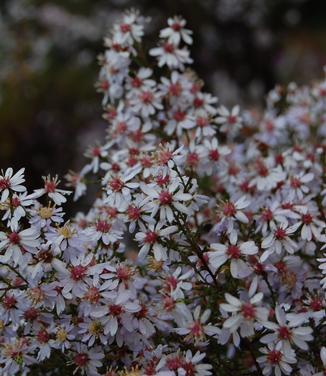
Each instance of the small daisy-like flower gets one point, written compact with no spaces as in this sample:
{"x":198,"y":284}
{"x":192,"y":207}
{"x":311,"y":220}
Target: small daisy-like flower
{"x":229,"y":119}
{"x":176,"y":31}
{"x":235,"y":253}
{"x":275,"y":361}
{"x":10,"y":182}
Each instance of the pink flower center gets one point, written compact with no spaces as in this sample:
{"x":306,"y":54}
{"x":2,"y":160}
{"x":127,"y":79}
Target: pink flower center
{"x":234,"y":252}
{"x":196,"y":329}
{"x":189,"y":368}
{"x":92,"y":295}
{"x":267,"y":215}
{"x":201,"y":122}
{"x":31,"y":314}
{"x":192,"y":159}
{"x":284,"y":333}
{"x":96,"y":151}
{"x":198,"y":102}
{"x":4,"y":183}
{"x":179,"y":116}
{"x":229,"y":209}
{"x":171,"y":283}
{"x":175,"y":89}
{"x":295,"y":183}
{"x":262,"y":169}
{"x":174,"y":364}
{"x":146,"y":97}
{"x":9,"y":301}
{"x":232,"y":119}
{"x":123,"y":273}
{"x":15,"y":202}
{"x":316,"y":304}
{"x":116,"y":185}
{"x":136,"y":82}
{"x":151,"y":237}
{"x":43,"y":336}
{"x":280,"y":234}
{"x":50,"y":186}
{"x":125,"y":28}
{"x":81,"y":359}
{"x":307,"y":219}
{"x":274,"y":357}
{"x":214,"y":155}
{"x":164,"y":157}
{"x":14,"y":238}
{"x":176,"y":26}
{"x":162,"y":180}
{"x":165,"y":198}
{"x":248,"y":311}
{"x":103,"y":226}
{"x":133,"y":213}
{"x":115,"y":309}
{"x":168,"y":48}
{"x":78,"y":272}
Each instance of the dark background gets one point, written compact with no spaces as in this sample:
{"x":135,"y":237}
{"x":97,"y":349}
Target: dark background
{"x":49,"y":109}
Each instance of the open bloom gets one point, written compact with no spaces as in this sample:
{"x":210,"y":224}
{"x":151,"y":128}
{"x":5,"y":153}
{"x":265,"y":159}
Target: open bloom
{"x":244,"y":314}
{"x":235,"y":253}
{"x":287,"y":334}
{"x":275,"y":361}
{"x":10,"y":182}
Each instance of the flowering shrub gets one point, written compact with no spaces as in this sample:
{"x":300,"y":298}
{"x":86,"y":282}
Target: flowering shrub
{"x":203,"y":251}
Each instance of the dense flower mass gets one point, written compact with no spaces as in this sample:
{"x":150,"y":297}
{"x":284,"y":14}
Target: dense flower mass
{"x":204,"y":250}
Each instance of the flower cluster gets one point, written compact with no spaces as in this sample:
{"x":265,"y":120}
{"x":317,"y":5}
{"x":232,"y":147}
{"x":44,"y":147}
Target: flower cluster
{"x":203,"y":252}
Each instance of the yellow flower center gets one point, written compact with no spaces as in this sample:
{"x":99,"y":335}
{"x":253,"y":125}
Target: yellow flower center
{"x":45,"y":212}
{"x":95,"y":328}
{"x":66,"y":231}
{"x":61,"y":335}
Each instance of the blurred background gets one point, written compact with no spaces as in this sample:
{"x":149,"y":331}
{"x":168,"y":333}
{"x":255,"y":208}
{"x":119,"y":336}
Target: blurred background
{"x":49,"y":109}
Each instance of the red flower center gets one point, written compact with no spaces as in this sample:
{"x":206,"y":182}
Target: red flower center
{"x":248,"y":311}
{"x":295,"y":183}
{"x":78,"y":272}
{"x":116,"y":185}
{"x":115,"y":309}
{"x":176,"y":26}
{"x":4,"y":183}
{"x":9,"y":301}
{"x":151,"y":237}
{"x":165,"y":198}
{"x":192,"y":159}
{"x":229,"y":209}
{"x":280,"y":234}
{"x":81,"y":360}
{"x":146,"y":97}
{"x":284,"y":333}
{"x":274,"y":357}
{"x":50,"y":186}
{"x":168,"y":48}
{"x":214,"y":155}
{"x":175,"y":89}
{"x":179,"y":116}
{"x":307,"y":219}
{"x":234,"y":252}
{"x":103,"y":226}
{"x":125,"y":28}
{"x":232,"y":119}
{"x":92,"y":295}
{"x":316,"y":304}
{"x":162,"y":180}
{"x":196,"y":329}
{"x":43,"y":336}
{"x":14,"y":238}
{"x":133,"y":213}
{"x":267,"y":215}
